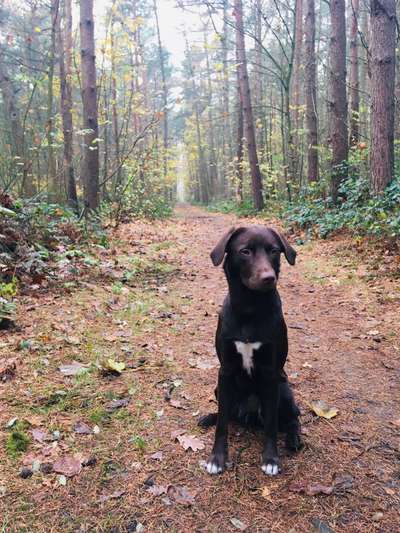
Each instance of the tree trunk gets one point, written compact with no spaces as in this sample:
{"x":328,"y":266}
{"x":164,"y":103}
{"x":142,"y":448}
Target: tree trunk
{"x":256,"y":180}
{"x":383,"y":44}
{"x":239,"y":140}
{"x":114,"y":107}
{"x":164,"y":93}
{"x":213,"y":164}
{"x":16,"y":130}
{"x":90,"y":163}
{"x":311,"y":93}
{"x":297,"y":72}
{"x":354,"y":75}
{"x":53,"y":182}
{"x":338,"y":97}
{"x":65,"y":58}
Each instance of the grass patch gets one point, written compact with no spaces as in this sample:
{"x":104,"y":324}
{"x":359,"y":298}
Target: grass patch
{"x":17,"y":442}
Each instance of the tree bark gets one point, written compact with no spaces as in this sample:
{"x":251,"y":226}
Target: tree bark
{"x":90,"y":163}
{"x":65,"y":59}
{"x":311,"y":93}
{"x":164,"y":93}
{"x":338,"y":96}
{"x":354,"y":75}
{"x":256,"y":180}
{"x":114,"y":107}
{"x":239,"y":139}
{"x":383,"y":45}
{"x":53,"y":183}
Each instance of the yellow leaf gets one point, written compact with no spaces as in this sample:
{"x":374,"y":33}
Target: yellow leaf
{"x":110,"y":365}
{"x":323,"y":410}
{"x":266,"y":493}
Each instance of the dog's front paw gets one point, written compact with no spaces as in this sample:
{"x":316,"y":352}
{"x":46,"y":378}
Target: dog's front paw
{"x":271,"y":467}
{"x":216,"y":463}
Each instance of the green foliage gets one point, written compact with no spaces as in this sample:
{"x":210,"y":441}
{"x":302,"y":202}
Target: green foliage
{"x":243,"y":209}
{"x":17,"y":442}
{"x":358,"y":210}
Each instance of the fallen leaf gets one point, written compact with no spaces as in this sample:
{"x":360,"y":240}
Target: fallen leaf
{"x":202,"y":364}
{"x":238,"y":524}
{"x":7,"y":368}
{"x":157,"y":490}
{"x":73,"y":369}
{"x":68,"y":465}
{"x":117,"y":404}
{"x":323,"y":410}
{"x":82,"y":428}
{"x":41,"y":436}
{"x":74,"y":341}
{"x":177,"y":404}
{"x":190,"y":441}
{"x":110,"y":365}
{"x":181,"y":495}
{"x":114,"y":496}
{"x":157,"y":456}
{"x":312,"y":489}
{"x":266,"y":493}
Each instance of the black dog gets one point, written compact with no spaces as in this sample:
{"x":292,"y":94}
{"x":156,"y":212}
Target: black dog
{"x":252,"y":346}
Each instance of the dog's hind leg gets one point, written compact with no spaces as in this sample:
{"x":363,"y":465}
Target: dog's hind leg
{"x":206,"y":421}
{"x":289,"y":418}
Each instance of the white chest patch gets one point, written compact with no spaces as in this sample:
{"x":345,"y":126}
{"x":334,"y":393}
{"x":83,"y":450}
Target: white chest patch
{"x":246,"y":350}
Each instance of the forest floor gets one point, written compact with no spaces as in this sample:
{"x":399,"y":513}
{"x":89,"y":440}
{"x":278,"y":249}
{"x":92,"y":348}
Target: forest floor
{"x":107,"y":449}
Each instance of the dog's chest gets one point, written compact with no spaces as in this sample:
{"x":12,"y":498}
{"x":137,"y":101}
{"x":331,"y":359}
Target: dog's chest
{"x":246,"y":350}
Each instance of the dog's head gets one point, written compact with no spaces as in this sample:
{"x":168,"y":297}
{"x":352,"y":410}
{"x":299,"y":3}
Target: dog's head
{"x":253,"y":254}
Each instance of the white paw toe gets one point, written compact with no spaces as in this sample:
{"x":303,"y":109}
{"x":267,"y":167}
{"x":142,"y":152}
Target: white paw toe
{"x":213,"y":468}
{"x":270,"y":469}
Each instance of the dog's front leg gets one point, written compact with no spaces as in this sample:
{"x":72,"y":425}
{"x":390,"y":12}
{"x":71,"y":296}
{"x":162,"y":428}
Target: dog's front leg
{"x":269,"y":396}
{"x":219,"y":455}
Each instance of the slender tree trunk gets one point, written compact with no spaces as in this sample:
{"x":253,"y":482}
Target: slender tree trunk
{"x":202,"y":166}
{"x":53,"y":182}
{"x":90,"y":163}
{"x":227,"y":141}
{"x":383,"y":45}
{"x":311,"y":93}
{"x":297,"y":71}
{"x":354,"y":75}
{"x":65,"y":59}
{"x":338,"y":96}
{"x":239,"y":139}
{"x":213,"y":166}
{"x":256,"y":180}
{"x":114,"y":107}
{"x":164,"y":93}
{"x":16,"y":128}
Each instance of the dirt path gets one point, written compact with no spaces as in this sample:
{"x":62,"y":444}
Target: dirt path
{"x":152,"y":305}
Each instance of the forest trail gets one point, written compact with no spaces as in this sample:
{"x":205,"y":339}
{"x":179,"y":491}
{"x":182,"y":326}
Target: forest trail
{"x":152,"y":305}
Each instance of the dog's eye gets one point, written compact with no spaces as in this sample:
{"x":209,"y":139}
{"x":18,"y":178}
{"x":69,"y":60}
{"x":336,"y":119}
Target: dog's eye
{"x":275,"y":251}
{"x":245,"y":251}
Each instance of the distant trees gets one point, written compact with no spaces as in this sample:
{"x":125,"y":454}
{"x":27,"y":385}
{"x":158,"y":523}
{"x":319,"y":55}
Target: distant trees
{"x":268,"y":105}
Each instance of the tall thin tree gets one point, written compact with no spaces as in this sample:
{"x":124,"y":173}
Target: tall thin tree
{"x":354,"y":74}
{"x":338,"y":96}
{"x":256,"y":180}
{"x":90,"y":163}
{"x":311,"y":93}
{"x":65,"y":65}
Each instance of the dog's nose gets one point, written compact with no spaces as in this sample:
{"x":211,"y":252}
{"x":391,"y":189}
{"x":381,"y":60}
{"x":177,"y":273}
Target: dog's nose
{"x":268,"y":278}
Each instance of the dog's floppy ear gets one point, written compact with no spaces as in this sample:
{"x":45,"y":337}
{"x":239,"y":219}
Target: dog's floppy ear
{"x":290,"y":253}
{"x":217,"y":255}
